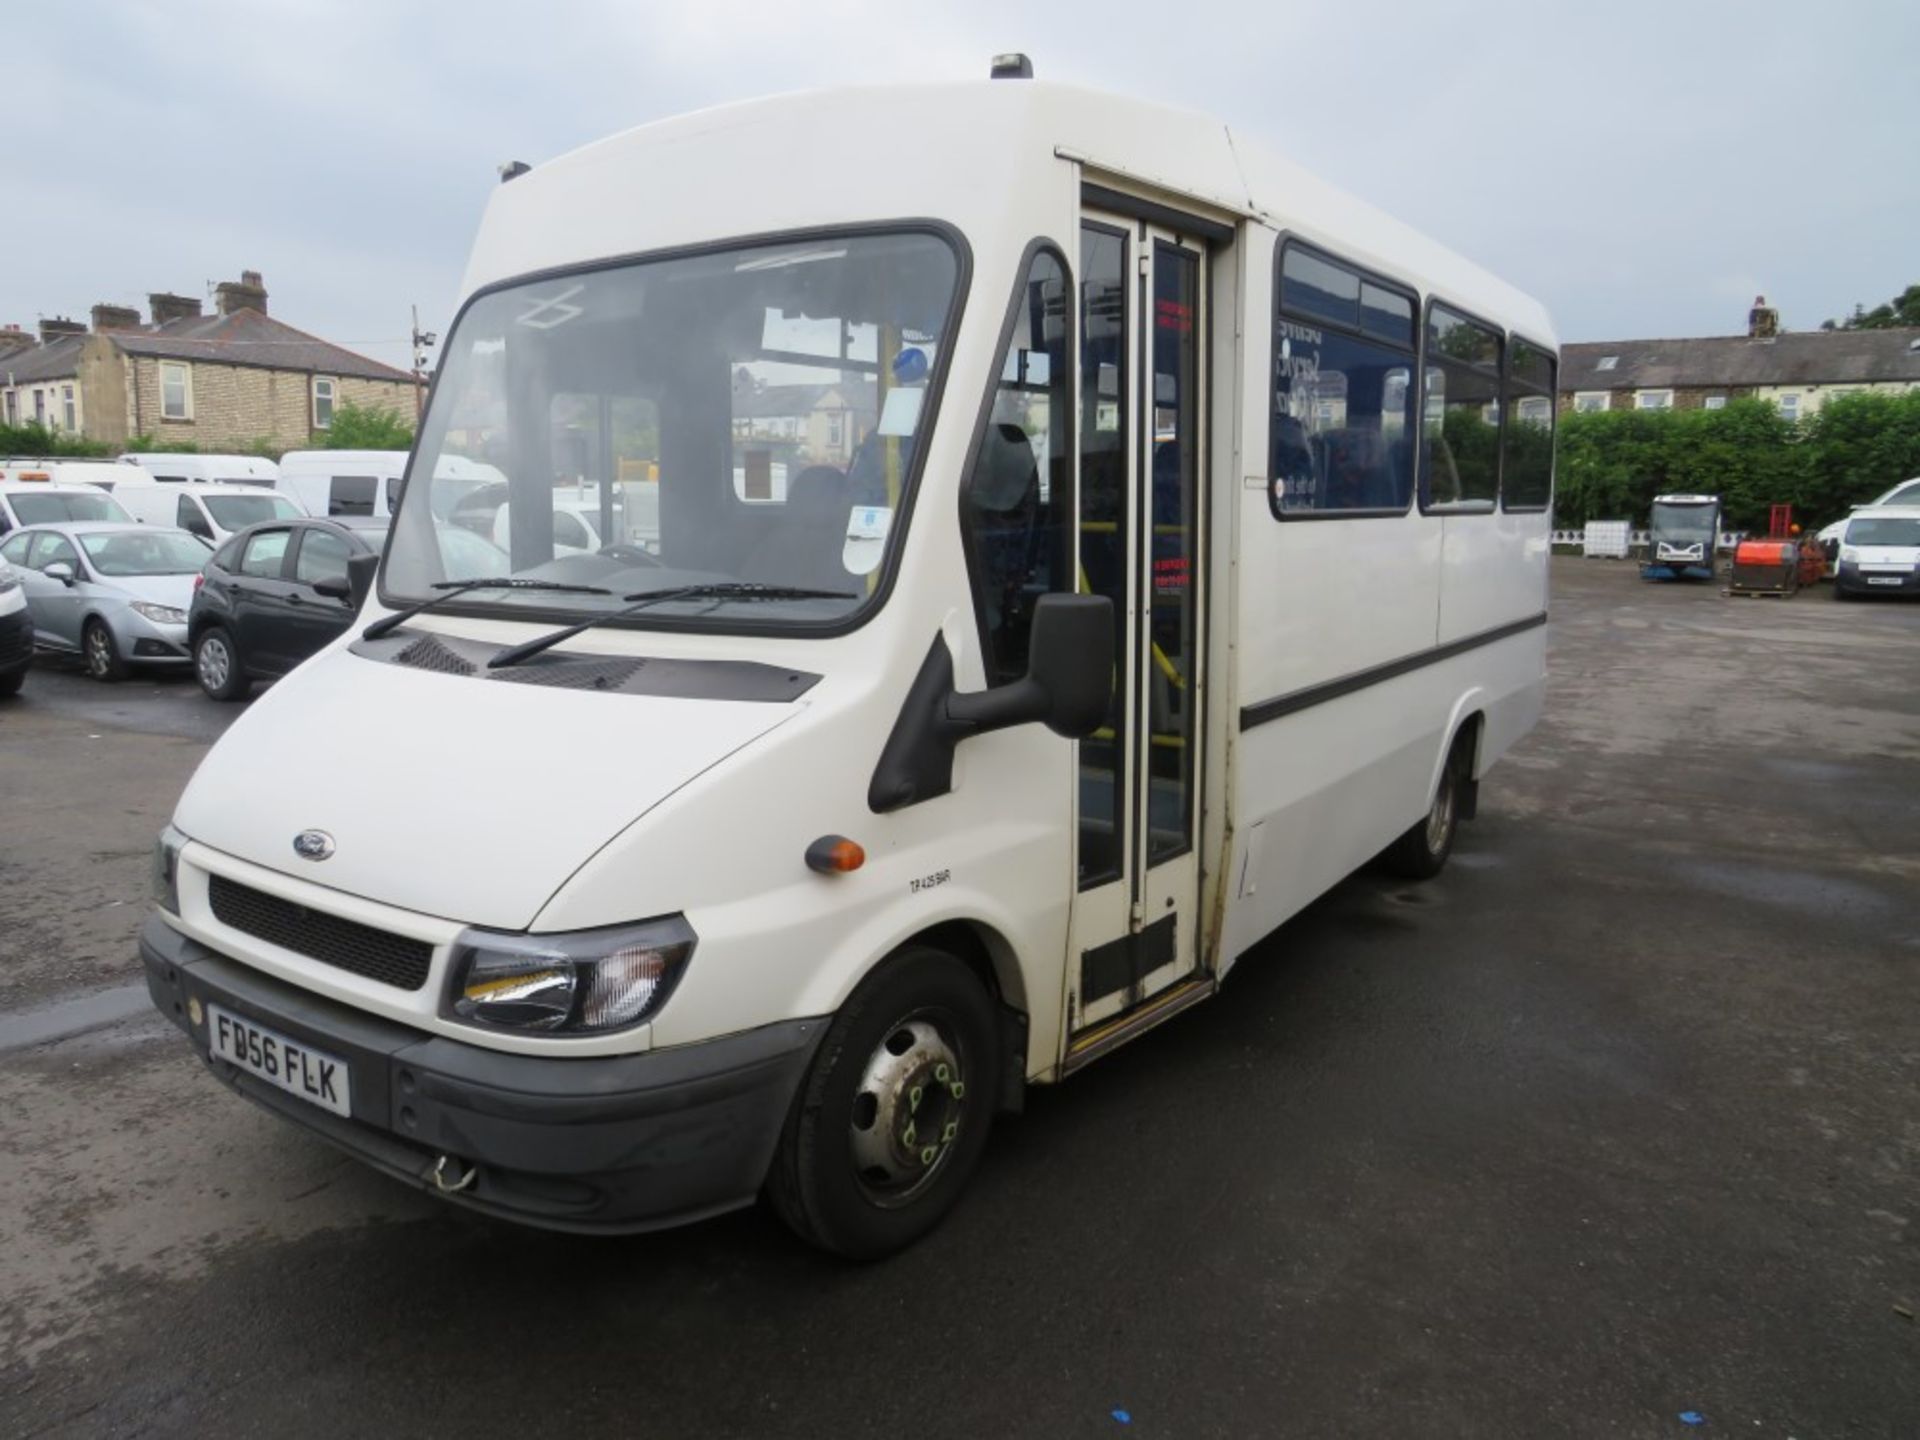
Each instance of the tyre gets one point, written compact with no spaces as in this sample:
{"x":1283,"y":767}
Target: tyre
{"x":11,"y":682}
{"x":216,"y":665}
{"x":1422,"y":852}
{"x":104,"y":660}
{"x":894,"y":1113}
{"x":1840,"y":592}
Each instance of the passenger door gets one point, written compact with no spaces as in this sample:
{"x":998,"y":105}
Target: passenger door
{"x":59,"y":610}
{"x":264,"y":615}
{"x":316,"y":619}
{"x":1142,"y":406}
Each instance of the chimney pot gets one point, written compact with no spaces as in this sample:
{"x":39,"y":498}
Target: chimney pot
{"x":246,"y":293}
{"x":167,"y":307}
{"x":1763,"y":321}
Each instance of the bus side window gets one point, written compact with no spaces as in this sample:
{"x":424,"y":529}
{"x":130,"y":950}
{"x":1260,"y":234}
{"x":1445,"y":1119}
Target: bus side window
{"x":1460,"y":434}
{"x":1343,"y":352}
{"x":1526,"y":449}
{"x":1019,"y":496}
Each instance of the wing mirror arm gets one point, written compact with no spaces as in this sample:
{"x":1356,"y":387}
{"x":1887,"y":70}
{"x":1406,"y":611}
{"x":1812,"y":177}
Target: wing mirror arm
{"x":1068,"y":683}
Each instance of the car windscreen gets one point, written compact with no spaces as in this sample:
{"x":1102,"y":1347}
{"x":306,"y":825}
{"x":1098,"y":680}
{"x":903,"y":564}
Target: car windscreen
{"x":1883,"y":530}
{"x":54,"y":508}
{"x":236,"y":512}
{"x":144,"y":552}
{"x":1689,"y":522}
{"x":739,"y":415}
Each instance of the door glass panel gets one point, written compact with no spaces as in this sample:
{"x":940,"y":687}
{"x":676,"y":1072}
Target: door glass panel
{"x":323,"y":556}
{"x":1103,"y":530}
{"x":265,"y":553}
{"x":1175,"y":462}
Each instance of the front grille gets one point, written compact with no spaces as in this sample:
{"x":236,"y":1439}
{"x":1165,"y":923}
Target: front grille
{"x":346,"y":944}
{"x":427,"y":653}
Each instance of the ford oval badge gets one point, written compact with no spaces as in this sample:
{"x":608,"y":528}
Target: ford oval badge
{"x":313,"y":845}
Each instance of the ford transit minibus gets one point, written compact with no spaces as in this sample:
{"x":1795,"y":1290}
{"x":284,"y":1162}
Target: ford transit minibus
{"x":1160,"y":534}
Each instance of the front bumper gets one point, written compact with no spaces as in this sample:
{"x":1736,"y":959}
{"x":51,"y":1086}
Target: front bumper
{"x":1876,"y":582}
{"x":613,"y":1144}
{"x":147,"y":642}
{"x":16,"y":641}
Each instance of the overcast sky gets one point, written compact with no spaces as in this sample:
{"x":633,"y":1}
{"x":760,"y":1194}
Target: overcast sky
{"x":1643,"y":168}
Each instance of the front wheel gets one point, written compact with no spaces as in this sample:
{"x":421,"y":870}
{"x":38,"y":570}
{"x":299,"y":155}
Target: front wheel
{"x":104,"y":661}
{"x":894,"y":1114}
{"x":216,"y":665}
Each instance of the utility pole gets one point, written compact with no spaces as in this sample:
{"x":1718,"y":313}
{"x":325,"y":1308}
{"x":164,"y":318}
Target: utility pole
{"x":421,"y":340}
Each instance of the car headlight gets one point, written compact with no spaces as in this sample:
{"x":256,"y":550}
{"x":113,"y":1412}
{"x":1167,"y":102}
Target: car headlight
{"x":166,"y":869}
{"x":583,"y":982}
{"x":159,"y":614}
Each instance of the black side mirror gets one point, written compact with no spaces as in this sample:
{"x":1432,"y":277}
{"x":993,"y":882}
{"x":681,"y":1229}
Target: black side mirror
{"x":1068,"y":683}
{"x":334,"y":588}
{"x":360,"y":572}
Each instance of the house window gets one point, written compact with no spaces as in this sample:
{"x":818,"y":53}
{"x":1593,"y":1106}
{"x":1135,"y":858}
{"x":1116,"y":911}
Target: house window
{"x":66,"y":401}
{"x":39,"y":407}
{"x":1585,"y":402}
{"x":13,"y":409}
{"x":1653,"y":399}
{"x":1714,"y":402}
{"x":1789,"y":404}
{"x":176,"y":392}
{"x":836,"y":430}
{"x":1607,"y":362}
{"x":322,"y":401}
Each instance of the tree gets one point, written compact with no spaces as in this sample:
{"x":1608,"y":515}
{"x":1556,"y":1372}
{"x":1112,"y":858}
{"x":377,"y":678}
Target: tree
{"x":357,"y":427}
{"x":1903,"y":310}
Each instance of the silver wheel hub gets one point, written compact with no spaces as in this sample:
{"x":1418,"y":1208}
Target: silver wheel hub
{"x":99,"y":651}
{"x":907,"y":1111}
{"x":1440,"y":817}
{"x":214,"y":662}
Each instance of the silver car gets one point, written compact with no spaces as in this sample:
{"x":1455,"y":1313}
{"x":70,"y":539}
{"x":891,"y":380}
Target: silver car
{"x":112,"y":593}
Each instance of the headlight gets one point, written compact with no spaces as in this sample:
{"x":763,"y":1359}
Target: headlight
{"x":1849,"y":554}
{"x":159,"y":614}
{"x":166,"y":869}
{"x":584,"y":982}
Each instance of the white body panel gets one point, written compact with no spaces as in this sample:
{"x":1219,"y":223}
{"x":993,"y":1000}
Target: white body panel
{"x":711,"y":804}
{"x":159,"y":503}
{"x":254,"y":470}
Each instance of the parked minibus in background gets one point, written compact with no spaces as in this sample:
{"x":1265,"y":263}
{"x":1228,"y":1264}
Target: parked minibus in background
{"x":168,"y":468}
{"x":213,"y":512}
{"x":31,"y":470}
{"x":42,"y":502}
{"x":1164,"y":535}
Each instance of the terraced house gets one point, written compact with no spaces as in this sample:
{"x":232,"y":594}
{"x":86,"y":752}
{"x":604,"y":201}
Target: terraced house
{"x":1797,"y":371}
{"x":224,"y":381}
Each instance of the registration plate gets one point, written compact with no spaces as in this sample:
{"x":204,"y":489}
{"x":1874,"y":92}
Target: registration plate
{"x":1884,"y":579}
{"x":298,"y":1069}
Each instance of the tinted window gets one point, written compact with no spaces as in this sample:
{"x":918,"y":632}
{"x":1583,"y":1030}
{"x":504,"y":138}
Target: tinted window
{"x":227,"y":557}
{"x":1526,"y":449}
{"x":322,"y":556}
{"x":1018,"y":496}
{"x":188,"y":517}
{"x":236,"y":512}
{"x":352,"y":495}
{"x":144,"y":552}
{"x":1460,"y":439}
{"x":265,"y":552}
{"x":51,"y":509}
{"x":1343,"y":397}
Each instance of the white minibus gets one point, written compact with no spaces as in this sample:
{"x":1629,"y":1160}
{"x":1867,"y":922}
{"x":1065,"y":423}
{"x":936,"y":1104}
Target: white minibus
{"x":1165,"y":537}
{"x":173,"y":469}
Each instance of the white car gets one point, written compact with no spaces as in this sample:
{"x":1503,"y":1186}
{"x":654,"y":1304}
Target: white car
{"x":33,"y":502}
{"x":1879,"y":552}
{"x":16,"y":630}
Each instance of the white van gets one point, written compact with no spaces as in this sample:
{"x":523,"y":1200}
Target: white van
{"x":1121,"y":601}
{"x":213,"y":512}
{"x":36,"y":502}
{"x":1879,"y":552}
{"x":367,"y":482}
{"x":27,"y":470}
{"x":255,"y":470}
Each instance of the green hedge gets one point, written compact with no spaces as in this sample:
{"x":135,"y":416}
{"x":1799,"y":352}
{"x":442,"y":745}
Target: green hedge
{"x":33,"y":439}
{"x":1610,"y":464}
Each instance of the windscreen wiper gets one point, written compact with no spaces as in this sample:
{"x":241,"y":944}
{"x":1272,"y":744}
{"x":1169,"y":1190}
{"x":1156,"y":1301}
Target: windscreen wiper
{"x":454,"y":588}
{"x":642,"y":599}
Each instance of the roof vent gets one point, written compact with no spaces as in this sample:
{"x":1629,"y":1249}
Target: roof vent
{"x":1011,"y":66}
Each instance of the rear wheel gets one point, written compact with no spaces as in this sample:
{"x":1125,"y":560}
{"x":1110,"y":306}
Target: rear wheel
{"x":895,"y":1110}
{"x":1422,"y":852}
{"x":216,"y":665}
{"x":104,"y":661}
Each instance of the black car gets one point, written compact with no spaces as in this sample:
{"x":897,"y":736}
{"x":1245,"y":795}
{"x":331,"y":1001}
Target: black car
{"x":277,"y":592}
{"x":271,"y":596}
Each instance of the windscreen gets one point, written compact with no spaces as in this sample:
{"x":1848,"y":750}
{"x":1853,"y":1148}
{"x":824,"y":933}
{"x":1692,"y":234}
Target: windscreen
{"x":236,"y":512}
{"x":1684,"y":522}
{"x":1883,"y":530}
{"x":741,"y":415}
{"x":145,"y":552}
{"x":55,"y":508}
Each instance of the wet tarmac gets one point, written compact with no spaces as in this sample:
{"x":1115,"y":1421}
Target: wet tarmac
{"x":1618,"y":1118}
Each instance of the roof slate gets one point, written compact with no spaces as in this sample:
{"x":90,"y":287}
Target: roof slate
{"x":1812,"y":357}
{"x":42,"y":362}
{"x":245,"y":338}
